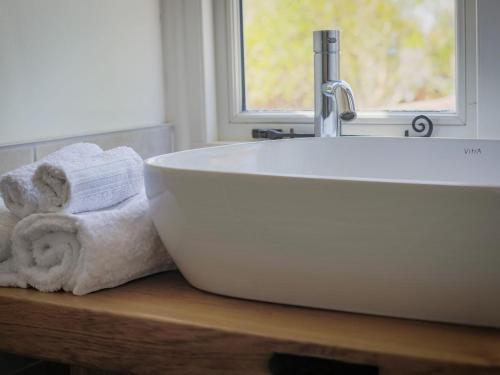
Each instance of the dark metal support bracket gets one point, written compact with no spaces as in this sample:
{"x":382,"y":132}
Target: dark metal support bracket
{"x":421,"y":124}
{"x":277,"y":134}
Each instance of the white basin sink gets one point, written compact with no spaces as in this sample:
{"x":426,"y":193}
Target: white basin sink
{"x":398,"y":227}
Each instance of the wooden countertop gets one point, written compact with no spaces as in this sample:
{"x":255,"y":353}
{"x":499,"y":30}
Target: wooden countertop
{"x":161,"y":323}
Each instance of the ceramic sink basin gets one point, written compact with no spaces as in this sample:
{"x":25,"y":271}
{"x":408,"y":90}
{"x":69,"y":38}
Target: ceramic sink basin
{"x":399,"y":227}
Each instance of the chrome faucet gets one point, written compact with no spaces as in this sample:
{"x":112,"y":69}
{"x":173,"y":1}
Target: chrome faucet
{"x":333,"y":98}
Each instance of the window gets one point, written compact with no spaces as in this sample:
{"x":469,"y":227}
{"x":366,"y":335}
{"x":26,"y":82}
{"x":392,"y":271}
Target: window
{"x":397,"y":55}
{"x":402,"y":58}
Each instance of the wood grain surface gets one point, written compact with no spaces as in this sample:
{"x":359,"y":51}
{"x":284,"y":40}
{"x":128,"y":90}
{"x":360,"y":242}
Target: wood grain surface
{"x":162,"y":325}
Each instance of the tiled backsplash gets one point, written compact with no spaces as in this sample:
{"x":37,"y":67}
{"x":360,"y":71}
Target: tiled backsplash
{"x":147,"y":142}
{"x":13,"y":157}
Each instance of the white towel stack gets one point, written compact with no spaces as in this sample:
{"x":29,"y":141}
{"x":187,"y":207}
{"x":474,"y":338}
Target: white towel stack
{"x":16,"y":187}
{"x":8,"y":275}
{"x":111,"y":241}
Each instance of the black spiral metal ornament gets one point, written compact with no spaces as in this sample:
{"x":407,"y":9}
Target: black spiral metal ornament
{"x":421,"y":124}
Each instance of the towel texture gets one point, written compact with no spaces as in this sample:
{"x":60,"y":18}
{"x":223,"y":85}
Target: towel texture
{"x":7,"y":222}
{"x":8,"y":274}
{"x":91,"y":183}
{"x":91,"y":251}
{"x":17,"y":188}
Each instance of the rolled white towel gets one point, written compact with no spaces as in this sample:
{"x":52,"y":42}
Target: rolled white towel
{"x":91,"y":251}
{"x":92,"y":183}
{"x":8,"y":274}
{"x":7,"y":222}
{"x":16,"y":187}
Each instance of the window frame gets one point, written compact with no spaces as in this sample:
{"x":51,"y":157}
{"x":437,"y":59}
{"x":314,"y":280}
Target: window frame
{"x":235,"y":124}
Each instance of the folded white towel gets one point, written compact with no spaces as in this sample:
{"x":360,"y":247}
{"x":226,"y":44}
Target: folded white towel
{"x":92,"y":183}
{"x":7,"y":222}
{"x":91,"y":251}
{"x":8,"y":275}
{"x":16,"y":186}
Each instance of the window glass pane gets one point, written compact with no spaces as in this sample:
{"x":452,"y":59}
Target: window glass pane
{"x":396,"y":54}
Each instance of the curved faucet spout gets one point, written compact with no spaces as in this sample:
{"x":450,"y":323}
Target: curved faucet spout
{"x":346,"y":104}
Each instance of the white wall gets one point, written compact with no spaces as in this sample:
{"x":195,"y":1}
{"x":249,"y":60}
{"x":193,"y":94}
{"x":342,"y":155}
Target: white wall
{"x":488,"y":14}
{"x":75,"y":67}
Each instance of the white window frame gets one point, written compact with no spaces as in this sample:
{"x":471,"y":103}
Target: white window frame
{"x":234,"y":124}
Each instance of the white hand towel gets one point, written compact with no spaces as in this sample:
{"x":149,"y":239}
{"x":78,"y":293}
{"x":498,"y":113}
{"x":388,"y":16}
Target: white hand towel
{"x":16,"y":186}
{"x":91,"y":183}
{"x":7,"y":222}
{"x":8,"y":275}
{"x":91,"y":251}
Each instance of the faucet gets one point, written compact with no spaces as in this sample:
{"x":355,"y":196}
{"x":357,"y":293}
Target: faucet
{"x":333,"y":98}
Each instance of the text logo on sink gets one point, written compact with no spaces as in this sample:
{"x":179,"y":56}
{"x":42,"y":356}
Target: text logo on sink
{"x":473,"y":151}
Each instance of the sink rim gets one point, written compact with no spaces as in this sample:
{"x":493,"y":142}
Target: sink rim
{"x":155,"y":162}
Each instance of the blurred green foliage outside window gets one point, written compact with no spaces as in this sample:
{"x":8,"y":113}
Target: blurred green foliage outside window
{"x":396,"y":54}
